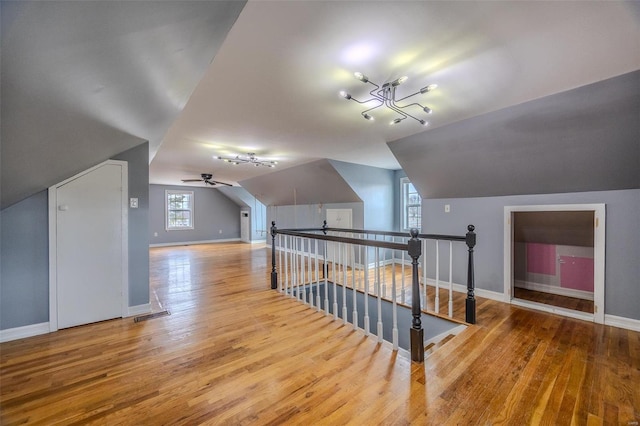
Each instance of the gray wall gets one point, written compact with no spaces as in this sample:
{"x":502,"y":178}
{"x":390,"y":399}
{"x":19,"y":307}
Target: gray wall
{"x":138,"y":159}
{"x":622,"y":268}
{"x":249,"y":203}
{"x":24,"y":284}
{"x":375,"y":186}
{"x":216,"y":217}
{"x":585,"y":139}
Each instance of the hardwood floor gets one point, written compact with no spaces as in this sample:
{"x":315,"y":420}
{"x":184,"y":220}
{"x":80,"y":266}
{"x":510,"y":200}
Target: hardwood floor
{"x":235,"y":352}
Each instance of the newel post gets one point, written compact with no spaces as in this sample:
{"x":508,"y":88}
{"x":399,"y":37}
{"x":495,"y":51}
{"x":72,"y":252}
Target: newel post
{"x":416,"y":332}
{"x":274,"y":273}
{"x":471,"y":297}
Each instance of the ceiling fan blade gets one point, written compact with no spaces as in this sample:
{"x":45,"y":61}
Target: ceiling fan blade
{"x":192,"y":180}
{"x":221,"y":183}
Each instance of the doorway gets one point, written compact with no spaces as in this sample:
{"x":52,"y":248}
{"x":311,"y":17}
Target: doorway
{"x":88,"y":247}
{"x":554,"y":259}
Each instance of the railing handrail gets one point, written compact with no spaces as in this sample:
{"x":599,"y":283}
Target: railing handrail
{"x":443,"y":237}
{"x":399,"y":234}
{"x":356,"y":241}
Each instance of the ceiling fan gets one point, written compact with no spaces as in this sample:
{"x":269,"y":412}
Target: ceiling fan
{"x":206,"y":178}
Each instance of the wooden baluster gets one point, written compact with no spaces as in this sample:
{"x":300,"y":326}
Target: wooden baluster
{"x":344,"y":283}
{"x":425,"y":303}
{"x":416,"y":333}
{"x":450,"y":279}
{"x":317,"y":280}
{"x":471,"y":298}
{"x":367,"y":325}
{"x":325,"y":270}
{"x":394,"y":332}
{"x":286,"y":265}
{"x":379,"y":294}
{"x":280,"y":285}
{"x":274,"y":273}
{"x":384,"y":266}
{"x":353,"y":287}
{"x":302,"y":258}
{"x":403,"y":293}
{"x":437,"y":299}
{"x":310,"y":274}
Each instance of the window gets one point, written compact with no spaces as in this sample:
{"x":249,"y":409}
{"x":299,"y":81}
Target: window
{"x":179,"y":210}
{"x":411,"y":205}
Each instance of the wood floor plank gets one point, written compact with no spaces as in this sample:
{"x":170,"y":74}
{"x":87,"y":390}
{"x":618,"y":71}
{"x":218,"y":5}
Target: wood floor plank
{"x":233,"y":351}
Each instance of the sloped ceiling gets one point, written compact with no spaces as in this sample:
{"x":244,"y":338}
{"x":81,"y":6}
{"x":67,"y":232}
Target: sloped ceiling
{"x":586,"y":139}
{"x":312,"y":183}
{"x":273,"y":87}
{"x":82,"y":81}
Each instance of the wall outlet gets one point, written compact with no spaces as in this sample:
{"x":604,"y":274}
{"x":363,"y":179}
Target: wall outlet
{"x":220,"y":231}
{"x":447,"y":208}
{"x":155,"y":234}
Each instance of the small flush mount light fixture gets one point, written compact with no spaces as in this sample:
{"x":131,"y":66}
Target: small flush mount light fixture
{"x":386,"y":95}
{"x":250,"y":158}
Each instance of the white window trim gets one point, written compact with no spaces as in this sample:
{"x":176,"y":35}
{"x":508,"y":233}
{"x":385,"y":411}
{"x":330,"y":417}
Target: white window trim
{"x":403,"y":207}
{"x":166,"y":210}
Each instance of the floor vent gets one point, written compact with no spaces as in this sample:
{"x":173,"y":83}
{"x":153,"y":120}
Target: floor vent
{"x":151,"y":316}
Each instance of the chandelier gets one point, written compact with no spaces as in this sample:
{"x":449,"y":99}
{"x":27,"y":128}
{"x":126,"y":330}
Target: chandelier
{"x":386,"y":95}
{"x":249,"y":159}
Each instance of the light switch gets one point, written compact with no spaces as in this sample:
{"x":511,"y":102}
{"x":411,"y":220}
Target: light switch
{"x":447,"y":208}
{"x":133,"y":203}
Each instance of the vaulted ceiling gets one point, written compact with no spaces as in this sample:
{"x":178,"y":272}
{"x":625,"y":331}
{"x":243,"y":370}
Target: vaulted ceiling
{"x":83,"y":80}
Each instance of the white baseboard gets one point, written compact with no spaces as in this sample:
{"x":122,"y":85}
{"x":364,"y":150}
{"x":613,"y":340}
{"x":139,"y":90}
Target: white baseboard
{"x":24,"y":331}
{"x":561,"y":291}
{"x":192,"y":243}
{"x":258,"y":241}
{"x":585,"y":316}
{"x":139,"y":310}
{"x":622,"y":322}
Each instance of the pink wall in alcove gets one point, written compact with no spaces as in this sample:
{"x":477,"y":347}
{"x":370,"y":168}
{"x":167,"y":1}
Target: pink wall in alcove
{"x":541,"y":258}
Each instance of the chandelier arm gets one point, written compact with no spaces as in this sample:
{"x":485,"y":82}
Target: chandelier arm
{"x":402,"y":99}
{"x":407,"y":105}
{"x":375,"y":98}
{"x":371,"y":109}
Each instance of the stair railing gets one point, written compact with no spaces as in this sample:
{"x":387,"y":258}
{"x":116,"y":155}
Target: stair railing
{"x":314,"y":261}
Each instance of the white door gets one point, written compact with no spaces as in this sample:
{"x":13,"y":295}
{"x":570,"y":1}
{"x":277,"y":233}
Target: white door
{"x":245,"y":227}
{"x":338,"y":218}
{"x":89,"y":246}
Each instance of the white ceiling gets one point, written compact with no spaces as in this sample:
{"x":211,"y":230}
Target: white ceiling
{"x":273,"y":86}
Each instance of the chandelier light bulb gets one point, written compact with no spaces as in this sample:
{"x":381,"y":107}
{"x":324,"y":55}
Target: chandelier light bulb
{"x":363,"y":78}
{"x":345,"y":94}
{"x":396,"y":121}
{"x":368,"y":117}
{"x":424,"y":123}
{"x":399,"y":81}
{"x":427,"y":110}
{"x":428,"y":88}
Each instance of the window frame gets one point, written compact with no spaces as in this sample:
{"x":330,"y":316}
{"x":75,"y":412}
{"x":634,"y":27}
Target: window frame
{"x":405,"y":205}
{"x":191,"y":209}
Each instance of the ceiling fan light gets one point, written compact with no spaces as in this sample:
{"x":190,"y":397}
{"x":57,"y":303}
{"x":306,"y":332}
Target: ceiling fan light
{"x":363,"y":78}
